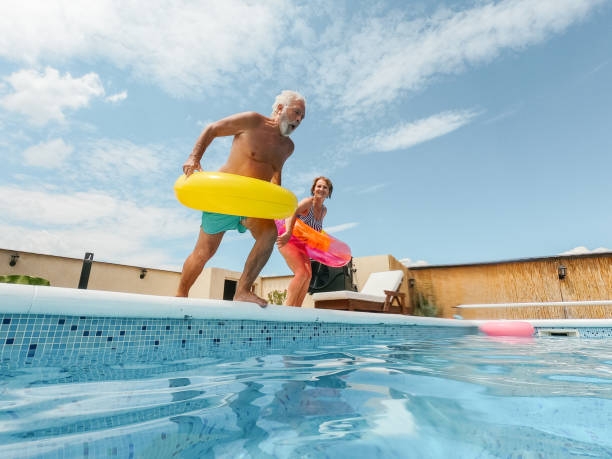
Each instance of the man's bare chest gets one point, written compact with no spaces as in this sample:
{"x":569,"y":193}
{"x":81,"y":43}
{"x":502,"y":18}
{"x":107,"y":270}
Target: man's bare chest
{"x":262,"y":148}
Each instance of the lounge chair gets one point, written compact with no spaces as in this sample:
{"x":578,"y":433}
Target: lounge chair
{"x":378,"y":294}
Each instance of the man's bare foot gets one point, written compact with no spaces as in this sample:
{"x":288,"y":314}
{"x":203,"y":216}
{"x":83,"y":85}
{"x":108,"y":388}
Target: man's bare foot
{"x":251,"y":298}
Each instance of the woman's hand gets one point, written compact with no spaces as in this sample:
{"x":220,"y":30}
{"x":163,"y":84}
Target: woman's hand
{"x":282,"y":239}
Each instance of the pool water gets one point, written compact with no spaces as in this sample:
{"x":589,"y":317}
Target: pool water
{"x":462,"y":397}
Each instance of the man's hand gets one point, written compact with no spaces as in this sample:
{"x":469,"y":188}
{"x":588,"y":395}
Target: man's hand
{"x":191,"y":165}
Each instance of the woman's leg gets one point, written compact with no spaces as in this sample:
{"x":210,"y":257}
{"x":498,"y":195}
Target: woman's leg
{"x":299,"y":263}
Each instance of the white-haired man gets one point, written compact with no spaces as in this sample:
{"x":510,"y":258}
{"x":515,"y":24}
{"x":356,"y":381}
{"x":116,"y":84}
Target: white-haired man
{"x":260,"y":147}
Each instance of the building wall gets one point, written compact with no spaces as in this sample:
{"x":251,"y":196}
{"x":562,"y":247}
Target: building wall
{"x":589,"y":277}
{"x":66,"y":272}
{"x":278,"y":283}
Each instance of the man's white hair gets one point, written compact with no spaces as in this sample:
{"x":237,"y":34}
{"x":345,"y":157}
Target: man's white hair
{"x":285,"y":98}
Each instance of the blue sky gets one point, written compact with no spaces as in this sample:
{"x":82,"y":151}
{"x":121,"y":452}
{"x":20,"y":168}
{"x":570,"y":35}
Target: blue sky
{"x":454,"y":132}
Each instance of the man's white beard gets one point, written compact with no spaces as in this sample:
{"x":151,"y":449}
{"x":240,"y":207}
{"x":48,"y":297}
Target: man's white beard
{"x":284,"y":127}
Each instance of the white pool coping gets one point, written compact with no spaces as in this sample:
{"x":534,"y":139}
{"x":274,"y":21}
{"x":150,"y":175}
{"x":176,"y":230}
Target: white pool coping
{"x":536,"y":304}
{"x":29,"y":299}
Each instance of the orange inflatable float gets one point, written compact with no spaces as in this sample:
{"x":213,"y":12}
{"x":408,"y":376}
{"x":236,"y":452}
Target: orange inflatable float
{"x":319,"y":246}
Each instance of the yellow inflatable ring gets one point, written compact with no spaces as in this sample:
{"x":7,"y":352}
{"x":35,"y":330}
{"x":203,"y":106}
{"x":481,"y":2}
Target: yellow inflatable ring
{"x":233,"y":194}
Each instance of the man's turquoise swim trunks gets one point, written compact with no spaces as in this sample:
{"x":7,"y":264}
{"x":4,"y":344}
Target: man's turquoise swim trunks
{"x":213,"y":223}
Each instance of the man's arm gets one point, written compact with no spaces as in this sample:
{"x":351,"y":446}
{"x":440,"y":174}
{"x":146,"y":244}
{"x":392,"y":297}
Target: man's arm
{"x":276,"y":178}
{"x":232,"y":125}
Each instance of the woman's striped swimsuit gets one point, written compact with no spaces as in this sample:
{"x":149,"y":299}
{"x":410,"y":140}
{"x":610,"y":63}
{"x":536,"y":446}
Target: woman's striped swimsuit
{"x":311,"y":221}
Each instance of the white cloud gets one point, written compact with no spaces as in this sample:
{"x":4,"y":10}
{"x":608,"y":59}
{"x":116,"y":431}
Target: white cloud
{"x":54,"y":208}
{"x":581,"y":250}
{"x":389,"y":55}
{"x":68,"y":224}
{"x":105,"y":158}
{"x":116,"y":98}
{"x":107,"y":244}
{"x":407,"y":135}
{"x":51,"y":154}
{"x":340,"y":228}
{"x":183,"y":46}
{"x":205,"y":47}
{"x":128,"y":171}
{"x":508,"y":113}
{"x":409,"y":263}
{"x":55,"y":29}
{"x":88,"y":210}
{"x":44,"y":97}
{"x":371,"y":189}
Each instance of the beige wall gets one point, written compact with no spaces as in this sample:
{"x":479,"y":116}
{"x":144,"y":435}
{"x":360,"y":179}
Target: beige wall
{"x":365,"y":266}
{"x":589,"y":277}
{"x":66,"y":272}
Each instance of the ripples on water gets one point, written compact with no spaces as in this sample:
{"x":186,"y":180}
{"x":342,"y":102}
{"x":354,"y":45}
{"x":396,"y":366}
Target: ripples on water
{"x":471,"y":397}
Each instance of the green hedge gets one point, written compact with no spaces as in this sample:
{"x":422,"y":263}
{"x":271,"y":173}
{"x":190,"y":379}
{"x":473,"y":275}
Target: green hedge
{"x":28,"y":280}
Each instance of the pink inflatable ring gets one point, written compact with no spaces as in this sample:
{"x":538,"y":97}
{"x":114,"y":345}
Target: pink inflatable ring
{"x":507,"y":328}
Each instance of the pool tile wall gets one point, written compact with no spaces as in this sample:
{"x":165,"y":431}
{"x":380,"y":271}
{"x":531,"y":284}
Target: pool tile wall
{"x":54,"y":326}
{"x":37,"y":339}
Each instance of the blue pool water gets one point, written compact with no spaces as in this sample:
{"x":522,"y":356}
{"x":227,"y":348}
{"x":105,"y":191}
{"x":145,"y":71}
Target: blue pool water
{"x":459,"y":396}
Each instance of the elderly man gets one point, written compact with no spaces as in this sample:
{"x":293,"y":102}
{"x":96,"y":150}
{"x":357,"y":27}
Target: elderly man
{"x":260,"y":148}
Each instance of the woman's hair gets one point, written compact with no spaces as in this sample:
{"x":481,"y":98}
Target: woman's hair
{"x":329,"y":185}
{"x":285,"y":98}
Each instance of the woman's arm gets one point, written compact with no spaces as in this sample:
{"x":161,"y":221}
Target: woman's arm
{"x":302,"y":209}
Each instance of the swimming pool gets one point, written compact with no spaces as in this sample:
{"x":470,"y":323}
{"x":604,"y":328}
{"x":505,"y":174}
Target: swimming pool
{"x":99,"y":374}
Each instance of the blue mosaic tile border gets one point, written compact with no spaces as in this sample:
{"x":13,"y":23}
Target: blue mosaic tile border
{"x":36,"y":340}
{"x":40,"y":339}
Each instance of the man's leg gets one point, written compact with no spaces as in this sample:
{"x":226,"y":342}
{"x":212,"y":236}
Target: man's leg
{"x":264,"y":232}
{"x":205,"y":248}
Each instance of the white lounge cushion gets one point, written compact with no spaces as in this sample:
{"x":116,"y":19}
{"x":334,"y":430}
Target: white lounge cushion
{"x":347,"y":295}
{"x":378,"y":282}
{"x":373,"y":290}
